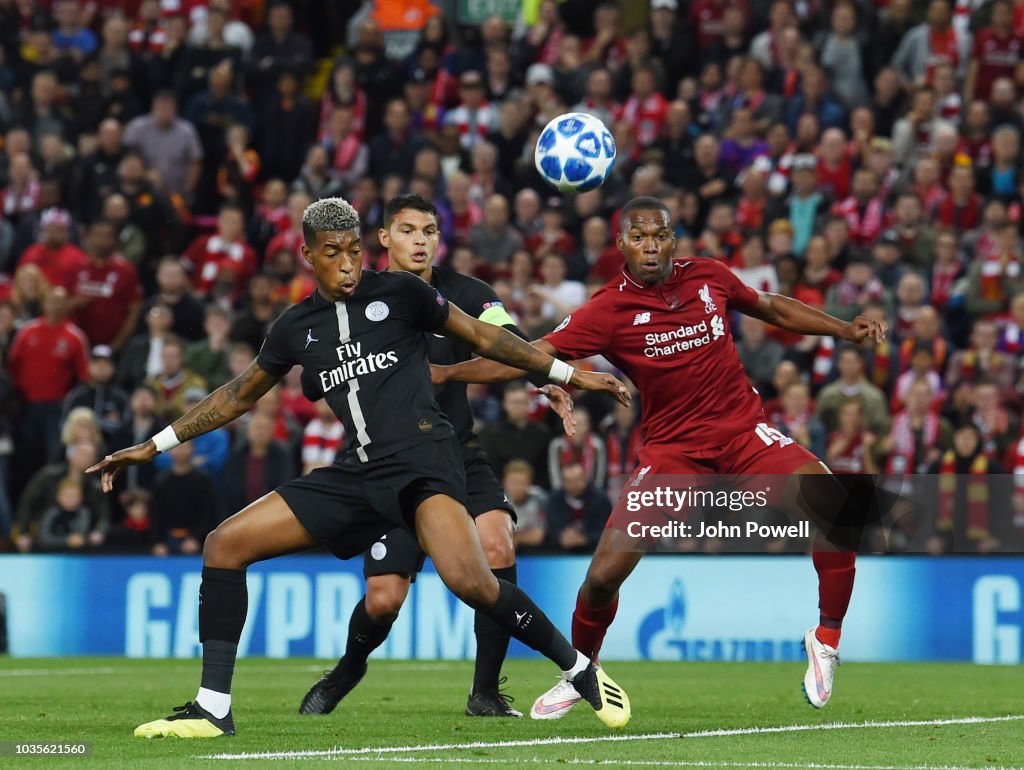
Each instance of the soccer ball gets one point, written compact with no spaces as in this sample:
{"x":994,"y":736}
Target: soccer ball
{"x":575,"y":152}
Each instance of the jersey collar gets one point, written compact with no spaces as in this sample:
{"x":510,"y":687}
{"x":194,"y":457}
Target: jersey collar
{"x":675,"y":277}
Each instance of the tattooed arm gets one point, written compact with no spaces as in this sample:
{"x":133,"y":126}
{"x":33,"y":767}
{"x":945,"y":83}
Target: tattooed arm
{"x":216,"y":410}
{"x":499,"y":344}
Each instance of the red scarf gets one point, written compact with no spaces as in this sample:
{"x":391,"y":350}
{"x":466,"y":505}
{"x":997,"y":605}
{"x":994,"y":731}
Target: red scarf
{"x":939,"y":350}
{"x":943,"y":278}
{"x":345,"y":152}
{"x":903,"y":457}
{"x":942,"y":49}
{"x":970,"y":365}
{"x":880,"y":364}
{"x":584,"y":455}
{"x":977,"y":495}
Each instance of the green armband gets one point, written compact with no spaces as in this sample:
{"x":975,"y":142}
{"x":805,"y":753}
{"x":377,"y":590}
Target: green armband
{"x":496,"y":315}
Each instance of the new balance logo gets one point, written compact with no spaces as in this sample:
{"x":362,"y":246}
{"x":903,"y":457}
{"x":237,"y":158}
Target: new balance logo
{"x":771,"y":435}
{"x":705,"y":296}
{"x":641,"y":318}
{"x":310,"y":339}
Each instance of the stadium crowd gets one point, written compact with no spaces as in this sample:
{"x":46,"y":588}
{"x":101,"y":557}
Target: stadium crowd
{"x":863,"y":157}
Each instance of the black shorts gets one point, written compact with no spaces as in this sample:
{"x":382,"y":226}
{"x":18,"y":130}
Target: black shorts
{"x":349,"y":505}
{"x":399,"y":553}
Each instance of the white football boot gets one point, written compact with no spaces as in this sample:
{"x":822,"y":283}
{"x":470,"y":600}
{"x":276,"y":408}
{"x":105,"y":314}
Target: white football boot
{"x":822,"y":662}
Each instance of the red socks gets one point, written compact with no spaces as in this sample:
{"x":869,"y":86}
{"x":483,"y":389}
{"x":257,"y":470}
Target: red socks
{"x":836,"y":571}
{"x":589,"y":625}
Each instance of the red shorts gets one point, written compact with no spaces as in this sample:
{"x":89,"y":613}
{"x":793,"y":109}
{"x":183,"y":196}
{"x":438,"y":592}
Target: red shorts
{"x":760,"y":450}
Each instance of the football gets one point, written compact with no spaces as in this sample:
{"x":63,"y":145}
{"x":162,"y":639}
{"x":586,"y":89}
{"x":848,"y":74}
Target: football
{"x":575,"y":152}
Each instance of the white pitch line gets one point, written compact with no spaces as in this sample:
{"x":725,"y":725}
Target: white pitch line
{"x":181,"y":665}
{"x":666,"y":763}
{"x":557,"y":741}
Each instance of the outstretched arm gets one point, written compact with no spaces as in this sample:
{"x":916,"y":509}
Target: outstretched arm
{"x":793,"y":315}
{"x":502,"y":346}
{"x":484,"y":370}
{"x":227,"y":402}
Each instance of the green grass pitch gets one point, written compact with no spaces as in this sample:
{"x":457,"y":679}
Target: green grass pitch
{"x":414,"y":705}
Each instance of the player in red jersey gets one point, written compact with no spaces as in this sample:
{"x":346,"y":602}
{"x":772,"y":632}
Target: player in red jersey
{"x":665,"y":325}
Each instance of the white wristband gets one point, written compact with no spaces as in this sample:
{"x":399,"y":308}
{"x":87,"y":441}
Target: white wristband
{"x":561,"y":372}
{"x":166,"y":439}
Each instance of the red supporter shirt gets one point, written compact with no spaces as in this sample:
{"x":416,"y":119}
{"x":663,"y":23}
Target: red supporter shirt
{"x":59,"y":266}
{"x":997,"y":57}
{"x":209,"y":254}
{"x":673,"y":341}
{"x":835,"y":183}
{"x":46,"y":360}
{"x":646,"y":116}
{"x":114,"y":288}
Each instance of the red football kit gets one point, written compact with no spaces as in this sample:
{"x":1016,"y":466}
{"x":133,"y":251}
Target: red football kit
{"x":700,"y":412}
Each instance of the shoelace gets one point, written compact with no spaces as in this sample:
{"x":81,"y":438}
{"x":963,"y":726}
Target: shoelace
{"x":183,"y":711}
{"x":503,"y":696}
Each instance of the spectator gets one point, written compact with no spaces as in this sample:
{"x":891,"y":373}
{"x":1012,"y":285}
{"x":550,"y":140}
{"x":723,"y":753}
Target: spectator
{"x":134,"y":532}
{"x":576,"y":512}
{"x":107,"y":401}
{"x":919,"y":435}
{"x":151,"y":211}
{"x":59,"y":260}
{"x":208,"y":357}
{"x":321,"y":438}
{"x":72,"y":37}
{"x":210,"y":112}
{"x":962,"y":521}
{"x":707,"y":177}
{"x":41,"y":494}
{"x":256,"y":312}
{"x":850,"y":446}
{"x":841,"y":56}
{"x":998,"y":427}
{"x":48,"y":357}
{"x":317,"y":178}
{"x":142,"y":424}
{"x":239,"y":170}
{"x":256,"y":466}
{"x":96,"y":173}
{"x":852,"y":383}
{"x":982,"y":359}
{"x":859,"y":286}
{"x":183,"y":505}
{"x":922,"y":367}
{"x":797,"y":420}
{"x":947,"y":270}
{"x":277,"y":50}
{"x":106,"y":295}
{"x":394,"y":150}
{"x":174,"y":380}
{"x":223,"y":258}
{"x":928,"y":44}
{"x":864,"y":210}
{"x":835,"y":168}
{"x":236,"y":32}
{"x":43,"y":113}
{"x":529,"y":501}
{"x":961,"y":208}
{"x":209,"y":451}
{"x":67,"y":524}
{"x":493,"y":237}
{"x":815,"y":99}
{"x":806,"y":203}
{"x":516,"y":436}
{"x":173,"y":293}
{"x":349,"y":157}
{"x":759,"y":354}
{"x":583,"y":448}
{"x":169,"y":144}
{"x":287,"y":124}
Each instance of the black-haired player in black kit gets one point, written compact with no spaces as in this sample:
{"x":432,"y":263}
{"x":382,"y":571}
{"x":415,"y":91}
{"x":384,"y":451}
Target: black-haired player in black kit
{"x":360,"y":334}
{"x":411,"y":236}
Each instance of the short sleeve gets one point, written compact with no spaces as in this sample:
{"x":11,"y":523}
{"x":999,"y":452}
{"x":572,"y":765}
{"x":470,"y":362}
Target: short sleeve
{"x":275,"y":356}
{"x":429,"y":308}
{"x":737,"y":293}
{"x":585,"y":332}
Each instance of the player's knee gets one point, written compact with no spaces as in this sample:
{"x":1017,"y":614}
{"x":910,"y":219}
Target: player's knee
{"x":217,"y":550}
{"x":479,"y":591}
{"x":601,"y":586}
{"x":499,"y":550}
{"x":384,"y":601}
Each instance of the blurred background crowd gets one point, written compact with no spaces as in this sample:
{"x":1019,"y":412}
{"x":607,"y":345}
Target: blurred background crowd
{"x":864,"y":157}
